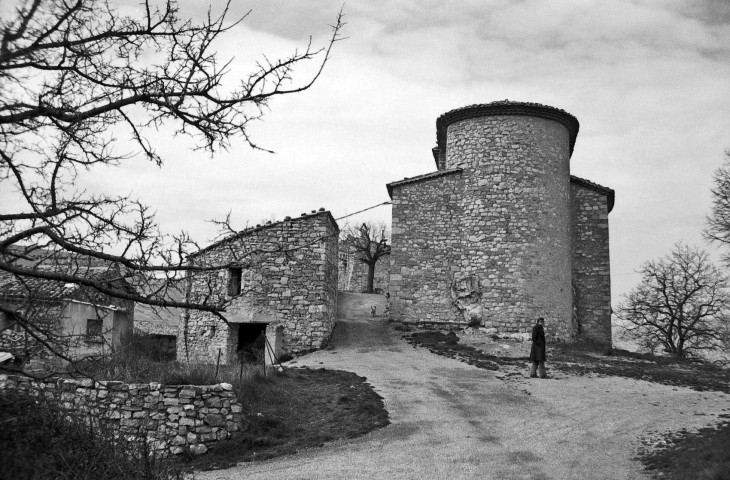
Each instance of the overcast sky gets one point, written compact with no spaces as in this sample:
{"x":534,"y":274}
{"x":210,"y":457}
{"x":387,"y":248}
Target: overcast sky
{"x":648,"y":80}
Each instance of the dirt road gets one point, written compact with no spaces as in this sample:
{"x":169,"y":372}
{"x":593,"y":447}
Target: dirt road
{"x":451,"y":420}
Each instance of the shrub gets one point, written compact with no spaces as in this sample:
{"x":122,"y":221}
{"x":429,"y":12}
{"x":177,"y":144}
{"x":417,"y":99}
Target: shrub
{"x":37,"y":440}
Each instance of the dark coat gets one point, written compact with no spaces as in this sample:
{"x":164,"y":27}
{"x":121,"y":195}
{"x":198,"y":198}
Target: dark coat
{"x":537,"y":353}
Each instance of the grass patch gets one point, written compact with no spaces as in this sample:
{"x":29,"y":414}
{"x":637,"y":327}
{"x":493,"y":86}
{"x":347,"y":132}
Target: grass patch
{"x":702,"y":455}
{"x":447,"y":344}
{"x":665,"y":370}
{"x":284,"y":411}
{"x":38,"y":441}
{"x":581,"y":360}
{"x":298,"y":409}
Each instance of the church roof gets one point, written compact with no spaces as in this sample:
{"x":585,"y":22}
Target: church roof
{"x":610,"y":193}
{"x":419,"y":178}
{"x":503,"y":107}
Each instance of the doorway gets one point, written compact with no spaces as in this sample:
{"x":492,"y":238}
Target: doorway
{"x":251,"y":345}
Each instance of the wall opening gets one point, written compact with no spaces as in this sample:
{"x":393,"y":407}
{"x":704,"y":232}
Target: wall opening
{"x":234,"y":281}
{"x":94,"y":330}
{"x":164,"y":347}
{"x":251,"y":346}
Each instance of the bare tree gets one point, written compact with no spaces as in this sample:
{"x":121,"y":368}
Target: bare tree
{"x":74,"y":77}
{"x":718,"y":222}
{"x":681,"y":303}
{"x":369,"y":243}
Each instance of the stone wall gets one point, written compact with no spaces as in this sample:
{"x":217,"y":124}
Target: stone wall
{"x":289,"y":279}
{"x":13,"y":342}
{"x":156,"y":321}
{"x":591,"y":263}
{"x":172,"y":419}
{"x":426,"y":245}
{"x":488,"y":238}
{"x":515,"y":221}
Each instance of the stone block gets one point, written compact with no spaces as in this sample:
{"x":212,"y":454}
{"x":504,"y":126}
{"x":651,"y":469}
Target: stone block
{"x":187,"y":393}
{"x":199,"y":449}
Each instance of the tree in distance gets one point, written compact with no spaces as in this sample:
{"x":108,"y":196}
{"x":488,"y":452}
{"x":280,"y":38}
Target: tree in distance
{"x":369,"y":243}
{"x":718,"y":222}
{"x":680,"y":304}
{"x":76,"y":76}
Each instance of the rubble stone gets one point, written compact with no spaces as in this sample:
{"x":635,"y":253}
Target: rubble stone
{"x":128,"y":412}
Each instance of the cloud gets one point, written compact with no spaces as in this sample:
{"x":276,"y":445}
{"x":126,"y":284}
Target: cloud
{"x":647,"y":79}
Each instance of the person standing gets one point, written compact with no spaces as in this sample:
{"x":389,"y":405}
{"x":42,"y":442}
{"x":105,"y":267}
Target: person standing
{"x":537,"y":353}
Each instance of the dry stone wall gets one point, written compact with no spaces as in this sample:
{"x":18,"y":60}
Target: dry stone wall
{"x":172,"y":419}
{"x":289,"y":279}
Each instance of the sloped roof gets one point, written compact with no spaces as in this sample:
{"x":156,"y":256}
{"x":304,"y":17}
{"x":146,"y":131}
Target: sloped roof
{"x":257,"y":228}
{"x":610,"y":193}
{"x":12,"y":287}
{"x":17,"y":287}
{"x":420,"y":178}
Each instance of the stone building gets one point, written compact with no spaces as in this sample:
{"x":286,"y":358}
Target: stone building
{"x":502,"y":233}
{"x":281,"y":285}
{"x":77,"y":320}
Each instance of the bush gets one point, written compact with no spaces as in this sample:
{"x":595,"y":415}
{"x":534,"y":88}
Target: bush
{"x":37,"y":440}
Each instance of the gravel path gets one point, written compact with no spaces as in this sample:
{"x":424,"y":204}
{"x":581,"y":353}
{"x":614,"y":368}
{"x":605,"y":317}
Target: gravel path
{"x":451,"y":420}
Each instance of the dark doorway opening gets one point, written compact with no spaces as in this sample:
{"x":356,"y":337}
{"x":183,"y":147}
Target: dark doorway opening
{"x":251,"y":347}
{"x":165,"y":346}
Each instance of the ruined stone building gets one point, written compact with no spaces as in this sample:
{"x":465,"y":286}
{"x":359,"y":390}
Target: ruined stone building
{"x":501,"y":233}
{"x":78,"y":321}
{"x":281,"y":285}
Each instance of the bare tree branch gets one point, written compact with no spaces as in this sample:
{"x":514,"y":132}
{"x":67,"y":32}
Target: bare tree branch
{"x":73,"y":74}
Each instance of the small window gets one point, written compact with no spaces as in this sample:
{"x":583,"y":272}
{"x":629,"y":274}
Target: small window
{"x":234,"y":281}
{"x":93,"y":330}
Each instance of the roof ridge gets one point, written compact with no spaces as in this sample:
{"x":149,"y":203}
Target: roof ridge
{"x":249,"y":230}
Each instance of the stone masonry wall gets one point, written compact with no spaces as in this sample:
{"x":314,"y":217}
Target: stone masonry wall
{"x":172,"y":419}
{"x":591,"y":267}
{"x":503,"y":233}
{"x":13,"y":342}
{"x":516,"y":226}
{"x":494,"y":245}
{"x":426,"y":244}
{"x":291,"y":281}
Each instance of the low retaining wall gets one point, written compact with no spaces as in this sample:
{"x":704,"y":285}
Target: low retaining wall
{"x":172,"y":419}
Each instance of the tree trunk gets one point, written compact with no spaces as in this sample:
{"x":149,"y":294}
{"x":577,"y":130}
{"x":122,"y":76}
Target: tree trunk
{"x":371,"y":277}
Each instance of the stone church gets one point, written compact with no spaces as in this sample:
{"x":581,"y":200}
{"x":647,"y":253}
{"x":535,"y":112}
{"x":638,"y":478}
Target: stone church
{"x":501,"y":233}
